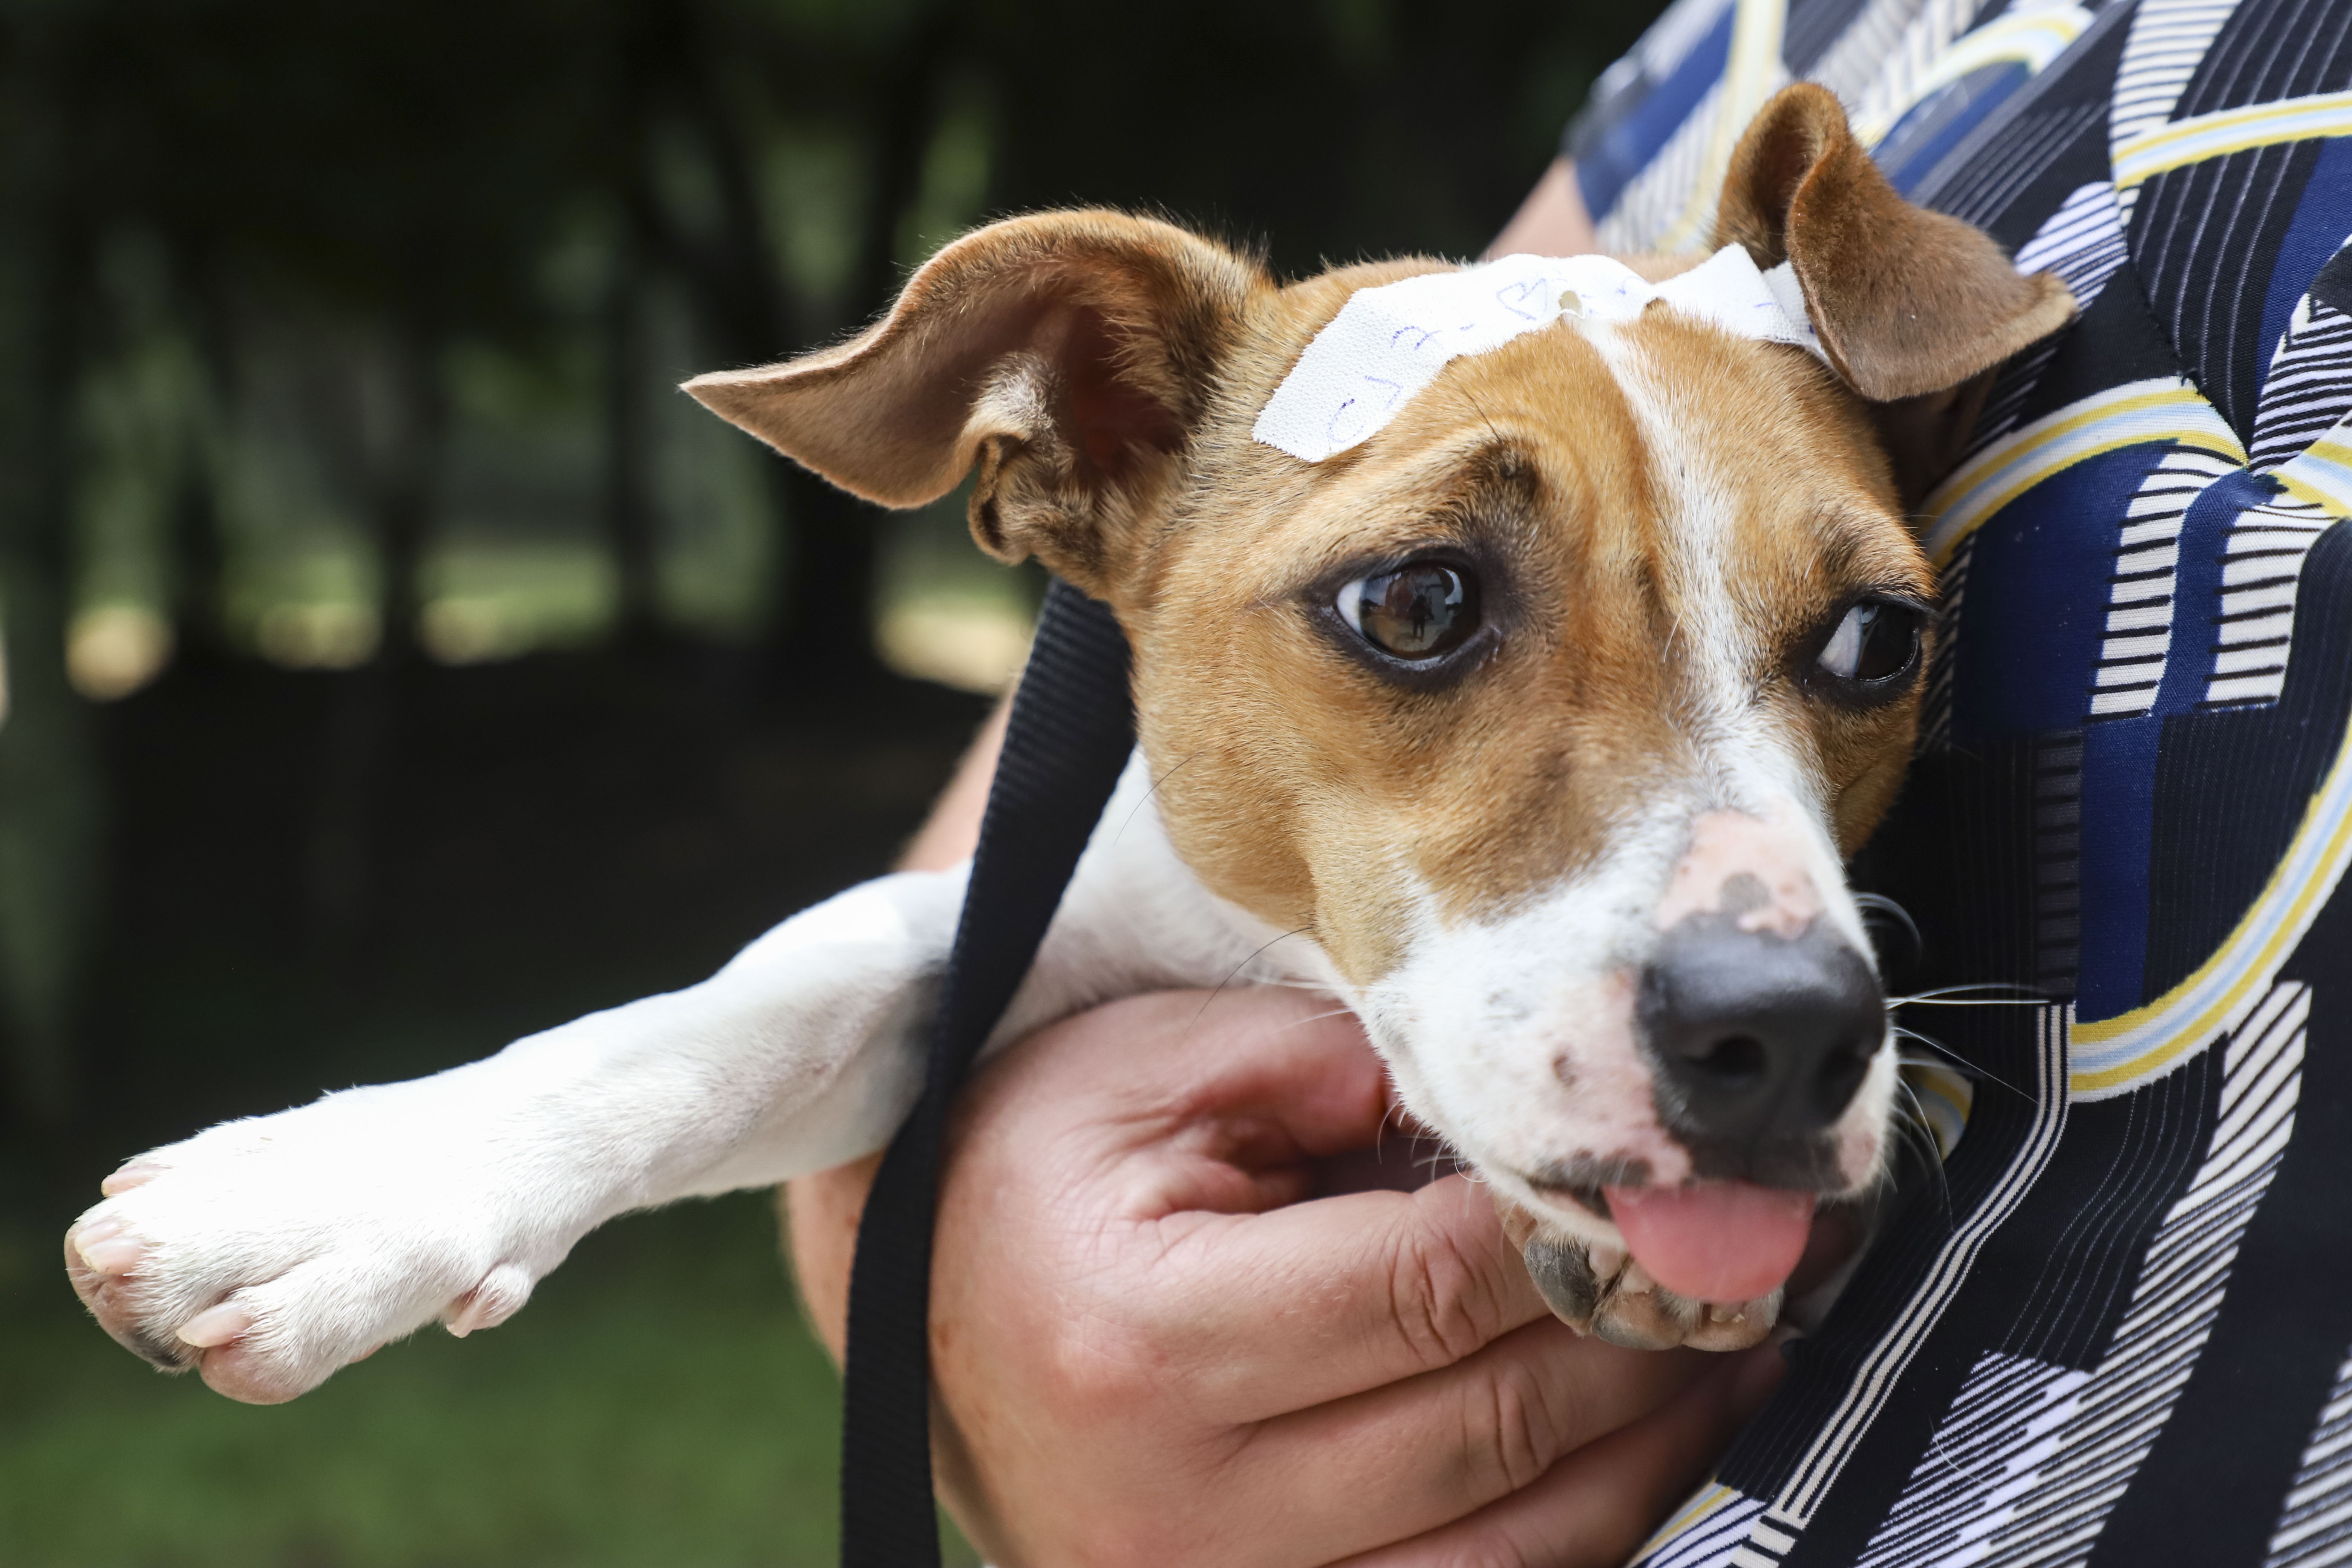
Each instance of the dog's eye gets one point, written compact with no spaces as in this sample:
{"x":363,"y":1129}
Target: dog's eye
{"x":1877,"y":641}
{"x":1418,"y":611}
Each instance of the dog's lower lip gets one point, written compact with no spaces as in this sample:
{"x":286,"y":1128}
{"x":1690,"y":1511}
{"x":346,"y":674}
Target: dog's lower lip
{"x":1589,"y":1197}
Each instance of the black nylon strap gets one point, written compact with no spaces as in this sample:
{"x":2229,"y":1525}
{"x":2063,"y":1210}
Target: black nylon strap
{"x":1072,"y":727}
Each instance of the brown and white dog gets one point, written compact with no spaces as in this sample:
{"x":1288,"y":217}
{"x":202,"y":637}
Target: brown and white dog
{"x":1535,"y":727}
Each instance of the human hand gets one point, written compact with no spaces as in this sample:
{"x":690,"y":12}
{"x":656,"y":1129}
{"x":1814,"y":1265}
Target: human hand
{"x":1151,"y":1343}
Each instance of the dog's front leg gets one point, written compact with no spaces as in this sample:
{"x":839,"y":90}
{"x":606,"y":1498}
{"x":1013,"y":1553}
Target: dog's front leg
{"x":284,"y":1247}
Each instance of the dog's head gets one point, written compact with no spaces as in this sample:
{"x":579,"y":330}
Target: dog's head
{"x":1550,"y":710}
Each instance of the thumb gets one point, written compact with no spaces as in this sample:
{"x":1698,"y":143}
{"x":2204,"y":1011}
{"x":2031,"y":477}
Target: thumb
{"x":1596,"y":1506}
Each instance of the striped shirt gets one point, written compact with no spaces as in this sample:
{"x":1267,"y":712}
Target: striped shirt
{"x":2116,"y":1327}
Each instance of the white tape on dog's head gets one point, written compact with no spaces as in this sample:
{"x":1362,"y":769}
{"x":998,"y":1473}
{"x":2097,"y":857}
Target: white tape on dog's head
{"x":1389,"y":342}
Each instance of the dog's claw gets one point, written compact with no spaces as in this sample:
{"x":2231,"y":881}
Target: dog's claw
{"x":217,"y":1325}
{"x":103,"y":1295}
{"x":111,"y":1256}
{"x":137,"y":1174}
{"x":500,"y":1295}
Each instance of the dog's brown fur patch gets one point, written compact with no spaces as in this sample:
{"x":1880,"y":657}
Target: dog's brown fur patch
{"x":1103,"y":373}
{"x":1666,"y":524}
{"x":1323,"y":797}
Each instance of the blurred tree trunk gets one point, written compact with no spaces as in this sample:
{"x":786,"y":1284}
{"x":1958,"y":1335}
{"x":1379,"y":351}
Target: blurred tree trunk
{"x":199,"y":562}
{"x":362,"y":723}
{"x":629,"y":516}
{"x":826,"y":595}
{"x":823,"y":617}
{"x":406,"y":486}
{"x":50,"y":802}
{"x":197,"y":543}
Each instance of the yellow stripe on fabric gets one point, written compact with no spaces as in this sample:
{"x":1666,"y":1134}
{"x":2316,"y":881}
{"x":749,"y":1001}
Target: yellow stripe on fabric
{"x":2322,"y":472}
{"x":2165,"y":409}
{"x":2031,"y":39}
{"x":1941,"y":1099}
{"x":2193,"y":140}
{"x":2111,"y":1055}
{"x":1751,"y":74}
{"x":1709,"y":1501}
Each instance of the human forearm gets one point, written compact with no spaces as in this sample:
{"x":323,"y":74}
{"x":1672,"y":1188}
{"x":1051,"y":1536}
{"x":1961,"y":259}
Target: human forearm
{"x":1552,"y":220}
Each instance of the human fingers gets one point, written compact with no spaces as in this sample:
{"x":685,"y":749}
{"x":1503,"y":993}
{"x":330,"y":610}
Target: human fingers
{"x":1169,"y":1129}
{"x":1176,"y":1102}
{"x":1300,"y":1306}
{"x":1050,"y":1381}
{"x":1434,"y":1449}
{"x":1280,"y":1076}
{"x":1595,"y":1507}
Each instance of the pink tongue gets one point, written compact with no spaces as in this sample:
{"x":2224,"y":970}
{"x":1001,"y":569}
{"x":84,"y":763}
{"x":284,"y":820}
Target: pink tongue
{"x":1715,"y":1241}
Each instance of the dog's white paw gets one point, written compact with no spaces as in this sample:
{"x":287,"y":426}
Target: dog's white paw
{"x":269,"y":1252}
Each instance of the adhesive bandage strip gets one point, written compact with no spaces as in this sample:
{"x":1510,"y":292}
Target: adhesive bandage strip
{"x":1387,"y":343}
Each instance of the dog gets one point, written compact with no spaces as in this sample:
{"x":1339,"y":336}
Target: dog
{"x":1535,"y":725}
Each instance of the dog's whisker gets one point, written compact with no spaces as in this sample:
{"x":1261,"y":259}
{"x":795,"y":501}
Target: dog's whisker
{"x":1173,"y":769}
{"x":1395,"y":1112}
{"x":1326,"y":989}
{"x":1880,"y":904}
{"x":1916,"y":1126}
{"x":1237,"y":968}
{"x":1961,"y":1061}
{"x":1479,"y":409}
{"x":2024,"y":994}
{"x":1317,"y":1017}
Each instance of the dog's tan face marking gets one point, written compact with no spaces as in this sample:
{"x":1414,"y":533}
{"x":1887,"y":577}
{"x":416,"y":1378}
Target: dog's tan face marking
{"x":1662,"y":525}
{"x":1538,"y":862}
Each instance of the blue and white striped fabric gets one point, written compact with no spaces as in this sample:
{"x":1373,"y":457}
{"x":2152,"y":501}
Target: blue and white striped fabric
{"x":2119,"y":1329}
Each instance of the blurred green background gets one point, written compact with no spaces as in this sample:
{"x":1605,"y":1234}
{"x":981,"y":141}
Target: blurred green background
{"x":394,"y":663}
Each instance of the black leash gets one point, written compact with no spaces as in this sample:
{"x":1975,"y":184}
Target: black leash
{"x":1072,"y":727}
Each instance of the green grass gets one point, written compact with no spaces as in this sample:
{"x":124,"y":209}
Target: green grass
{"x":659,"y":1402}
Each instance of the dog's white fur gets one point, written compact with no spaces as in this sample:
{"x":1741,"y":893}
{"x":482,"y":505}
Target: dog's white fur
{"x":341,"y":1225}
{"x":286,"y":1245}
{"x":358,"y":1219}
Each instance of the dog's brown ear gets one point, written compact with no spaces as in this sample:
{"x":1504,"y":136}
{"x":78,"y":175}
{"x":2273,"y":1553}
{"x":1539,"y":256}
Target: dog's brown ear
{"x":1068,"y":354}
{"x":1916,"y":310}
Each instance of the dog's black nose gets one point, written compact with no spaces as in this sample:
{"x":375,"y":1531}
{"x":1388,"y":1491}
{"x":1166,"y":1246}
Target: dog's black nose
{"x":1758,"y":1041}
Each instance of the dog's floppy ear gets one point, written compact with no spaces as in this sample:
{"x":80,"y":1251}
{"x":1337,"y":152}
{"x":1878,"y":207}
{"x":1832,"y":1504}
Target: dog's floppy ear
{"x":1916,"y":310}
{"x":1068,"y":354}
